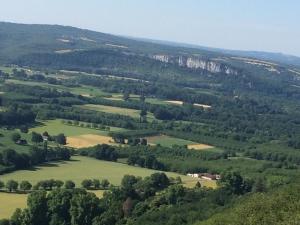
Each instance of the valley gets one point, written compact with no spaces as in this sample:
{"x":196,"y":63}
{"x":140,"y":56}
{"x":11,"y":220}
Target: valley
{"x":159,"y":133}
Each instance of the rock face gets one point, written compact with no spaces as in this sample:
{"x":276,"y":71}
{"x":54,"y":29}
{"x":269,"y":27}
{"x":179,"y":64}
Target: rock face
{"x":162,"y":58}
{"x":196,"y":63}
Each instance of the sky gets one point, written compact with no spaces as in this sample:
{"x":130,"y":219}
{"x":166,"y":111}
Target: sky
{"x":261,"y":25}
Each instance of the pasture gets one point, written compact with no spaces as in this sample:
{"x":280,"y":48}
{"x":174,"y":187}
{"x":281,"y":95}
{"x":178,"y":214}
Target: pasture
{"x":80,"y":168}
{"x":55,"y":127}
{"x":10,"y":202}
{"x":7,"y":69}
{"x":7,"y":142}
{"x":116,"y":110}
{"x":168,"y":141}
{"x":83,"y":90}
{"x":118,"y":97}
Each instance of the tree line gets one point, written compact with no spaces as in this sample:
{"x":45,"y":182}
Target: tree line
{"x":11,"y":160}
{"x":49,"y":185}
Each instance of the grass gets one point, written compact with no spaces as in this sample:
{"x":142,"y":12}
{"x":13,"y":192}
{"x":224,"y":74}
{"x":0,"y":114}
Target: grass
{"x":168,"y":141}
{"x":204,"y":183}
{"x":77,"y":171}
{"x":116,"y":110}
{"x":10,"y":202}
{"x":54,"y":127}
{"x":6,"y":141}
{"x":82,"y":90}
{"x":119,"y":97}
{"x":81,"y":168}
{"x":6,"y":69}
{"x":156,"y":101}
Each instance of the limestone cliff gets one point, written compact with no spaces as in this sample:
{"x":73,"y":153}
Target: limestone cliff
{"x":193,"y":62}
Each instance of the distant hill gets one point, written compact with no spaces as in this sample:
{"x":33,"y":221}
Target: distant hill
{"x":271,"y":56}
{"x":70,"y":48}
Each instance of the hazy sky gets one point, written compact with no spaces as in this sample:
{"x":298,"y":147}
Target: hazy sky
{"x":268,"y":25}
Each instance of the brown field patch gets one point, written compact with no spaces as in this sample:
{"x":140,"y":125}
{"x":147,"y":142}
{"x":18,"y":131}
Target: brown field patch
{"x":116,"y":46}
{"x":86,"y":95}
{"x":88,"y":140}
{"x":64,"y":40}
{"x":9,"y":203}
{"x":203,"y":106}
{"x":175,"y":102}
{"x":195,"y":104}
{"x":204,"y":183}
{"x":199,"y":146}
{"x":62,"y":51}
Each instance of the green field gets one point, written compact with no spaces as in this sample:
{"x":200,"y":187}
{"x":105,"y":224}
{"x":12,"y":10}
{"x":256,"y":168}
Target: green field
{"x":156,"y":101}
{"x":85,"y":90}
{"x":116,"y":110}
{"x":168,"y":141}
{"x":81,"y":168}
{"x":6,"y":69}
{"x":77,"y":171}
{"x":119,"y":97}
{"x":55,"y":127}
{"x":6,"y":141}
{"x":82,"y":90}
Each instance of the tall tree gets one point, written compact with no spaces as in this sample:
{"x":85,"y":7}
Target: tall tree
{"x":84,"y":208}
{"x":61,"y":139}
{"x":25,"y":186}
{"x":37,"y":212}
{"x":36,"y":138}
{"x":12,"y":185}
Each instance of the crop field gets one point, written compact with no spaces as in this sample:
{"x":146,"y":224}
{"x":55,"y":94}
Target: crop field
{"x":55,"y":127}
{"x":168,"y":141}
{"x":116,"y":110}
{"x":88,"y":140}
{"x":199,"y":147}
{"x":77,"y":171}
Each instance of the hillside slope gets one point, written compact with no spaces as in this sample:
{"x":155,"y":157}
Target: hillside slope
{"x":61,"y":47}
